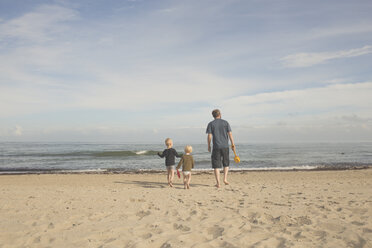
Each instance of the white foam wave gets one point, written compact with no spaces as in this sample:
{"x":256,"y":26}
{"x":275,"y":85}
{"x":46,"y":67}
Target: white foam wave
{"x":141,"y":152}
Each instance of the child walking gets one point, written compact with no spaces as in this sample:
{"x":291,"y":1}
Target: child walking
{"x":170,"y":155}
{"x":187,"y":163}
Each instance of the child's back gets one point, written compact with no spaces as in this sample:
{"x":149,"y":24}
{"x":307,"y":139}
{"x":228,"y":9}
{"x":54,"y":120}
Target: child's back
{"x":170,"y":155}
{"x":187,"y":162}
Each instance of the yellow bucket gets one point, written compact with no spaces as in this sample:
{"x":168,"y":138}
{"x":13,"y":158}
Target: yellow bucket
{"x":236,"y":159}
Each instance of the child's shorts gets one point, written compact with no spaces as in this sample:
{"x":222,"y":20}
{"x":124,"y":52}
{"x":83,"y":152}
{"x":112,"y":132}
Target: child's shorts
{"x":171,"y":167}
{"x":186,"y":173}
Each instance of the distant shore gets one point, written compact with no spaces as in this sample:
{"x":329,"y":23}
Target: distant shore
{"x":258,"y":209}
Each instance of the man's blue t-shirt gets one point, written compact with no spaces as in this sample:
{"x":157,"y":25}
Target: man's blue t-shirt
{"x":219,"y":129}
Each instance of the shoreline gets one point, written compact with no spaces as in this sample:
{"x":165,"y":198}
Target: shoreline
{"x":195,"y":171}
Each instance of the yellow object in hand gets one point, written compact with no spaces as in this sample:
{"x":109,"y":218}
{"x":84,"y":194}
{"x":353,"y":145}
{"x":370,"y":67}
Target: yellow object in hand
{"x":236,"y":159}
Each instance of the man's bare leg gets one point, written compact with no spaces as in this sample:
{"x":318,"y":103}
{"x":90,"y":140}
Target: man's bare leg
{"x":217,"y":175}
{"x":225,"y":171}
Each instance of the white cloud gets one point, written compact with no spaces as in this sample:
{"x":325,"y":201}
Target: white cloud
{"x":167,"y":66}
{"x":302,"y":107}
{"x":337,"y":81}
{"x":340,"y":30}
{"x":155,"y":89}
{"x":39,"y":25}
{"x":310,"y":59}
{"x":160,"y":86}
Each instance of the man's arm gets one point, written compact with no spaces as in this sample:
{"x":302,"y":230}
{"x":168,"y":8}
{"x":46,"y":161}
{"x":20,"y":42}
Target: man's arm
{"x":209,"y":141}
{"x":231,"y":140}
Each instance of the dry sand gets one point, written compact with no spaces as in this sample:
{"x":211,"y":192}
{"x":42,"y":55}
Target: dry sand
{"x":258,"y":209}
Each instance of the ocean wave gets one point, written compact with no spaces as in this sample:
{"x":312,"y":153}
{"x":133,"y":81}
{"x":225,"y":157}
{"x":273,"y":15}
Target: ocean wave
{"x":25,"y":170}
{"x":88,"y":154}
{"x":125,"y":153}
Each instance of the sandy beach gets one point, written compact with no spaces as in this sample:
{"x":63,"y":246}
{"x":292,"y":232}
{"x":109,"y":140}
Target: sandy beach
{"x":258,"y":209}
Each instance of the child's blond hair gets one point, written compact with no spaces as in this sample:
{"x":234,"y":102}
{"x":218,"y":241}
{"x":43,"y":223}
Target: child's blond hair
{"x":168,"y":141}
{"x":188,"y":149}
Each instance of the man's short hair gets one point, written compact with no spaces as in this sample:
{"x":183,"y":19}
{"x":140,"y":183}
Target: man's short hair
{"x":216,"y":113}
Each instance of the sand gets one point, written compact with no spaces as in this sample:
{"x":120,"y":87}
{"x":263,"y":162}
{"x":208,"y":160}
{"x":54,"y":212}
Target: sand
{"x":258,"y":209}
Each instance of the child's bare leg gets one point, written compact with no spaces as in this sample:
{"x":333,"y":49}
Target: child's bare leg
{"x":217,"y":175}
{"x":185,"y":182}
{"x":225,"y":171}
{"x":188,"y":180}
{"x":171,"y":177}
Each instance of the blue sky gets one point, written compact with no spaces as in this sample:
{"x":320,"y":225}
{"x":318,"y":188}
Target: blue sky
{"x":140,"y":71}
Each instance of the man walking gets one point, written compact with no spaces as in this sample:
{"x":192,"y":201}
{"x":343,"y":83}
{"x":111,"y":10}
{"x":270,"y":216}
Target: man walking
{"x":220,"y":131}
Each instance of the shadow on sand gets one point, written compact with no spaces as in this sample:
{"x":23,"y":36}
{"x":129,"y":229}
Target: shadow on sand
{"x":147,"y":184}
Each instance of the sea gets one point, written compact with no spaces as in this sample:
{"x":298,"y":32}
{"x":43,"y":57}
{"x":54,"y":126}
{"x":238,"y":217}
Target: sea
{"x":54,"y":157}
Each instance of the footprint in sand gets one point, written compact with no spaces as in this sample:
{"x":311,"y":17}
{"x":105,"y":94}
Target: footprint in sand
{"x":37,"y":239}
{"x":333,"y":227}
{"x":216,"y":231}
{"x":358,"y":223}
{"x":194,"y":212}
{"x":175,"y":213}
{"x":354,"y":240}
{"x":109,"y":240}
{"x":303,"y":220}
{"x":272,"y":242}
{"x":360,"y":211}
{"x":298,"y":235}
{"x":51,"y":226}
{"x":166,"y":245}
{"x":320,"y":234}
{"x":147,"y":236}
{"x":253,"y":217}
{"x":227,"y":245}
{"x":181,"y":227}
{"x":142,"y":214}
{"x":155,"y":229}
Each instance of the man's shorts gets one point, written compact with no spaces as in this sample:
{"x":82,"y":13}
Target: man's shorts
{"x":220,"y":156}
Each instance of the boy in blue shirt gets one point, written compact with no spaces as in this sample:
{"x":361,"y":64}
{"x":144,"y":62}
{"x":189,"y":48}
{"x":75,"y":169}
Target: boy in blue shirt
{"x":170,"y":155}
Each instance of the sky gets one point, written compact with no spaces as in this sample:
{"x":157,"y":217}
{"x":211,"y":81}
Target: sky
{"x":138,"y":71}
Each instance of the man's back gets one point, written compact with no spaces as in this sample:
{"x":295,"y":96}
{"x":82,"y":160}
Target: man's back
{"x":219,"y":128}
